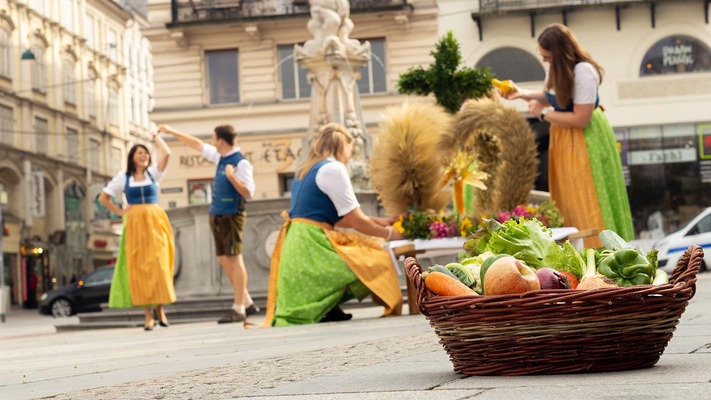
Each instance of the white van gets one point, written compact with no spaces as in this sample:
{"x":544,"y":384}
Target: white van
{"x":672,"y":246}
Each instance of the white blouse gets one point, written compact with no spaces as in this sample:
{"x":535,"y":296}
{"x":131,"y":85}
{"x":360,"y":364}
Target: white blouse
{"x":244,"y":172}
{"x":585,"y":85}
{"x":333,"y":179}
{"x":118,"y":183}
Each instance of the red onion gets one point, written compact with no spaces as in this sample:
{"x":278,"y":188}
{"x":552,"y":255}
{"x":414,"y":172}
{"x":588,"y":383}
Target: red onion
{"x":552,"y":279}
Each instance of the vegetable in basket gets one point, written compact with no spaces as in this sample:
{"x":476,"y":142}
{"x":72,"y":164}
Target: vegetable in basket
{"x":441,"y":269}
{"x":552,"y":279}
{"x":507,"y":275}
{"x":627,"y":268}
{"x":445,"y":285}
{"x":632,"y":271}
{"x":477,"y":242}
{"x":591,"y":278}
{"x":485,"y":267}
{"x":468,"y":270}
{"x":531,"y":242}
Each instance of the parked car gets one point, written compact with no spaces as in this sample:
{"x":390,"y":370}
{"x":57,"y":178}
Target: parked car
{"x":697,"y":231}
{"x":85,"y":295}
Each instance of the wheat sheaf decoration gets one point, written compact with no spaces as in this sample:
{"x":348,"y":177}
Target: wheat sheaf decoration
{"x":407,"y":166}
{"x":517,"y":168}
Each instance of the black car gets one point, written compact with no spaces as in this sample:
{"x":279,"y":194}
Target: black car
{"x":83,"y":296}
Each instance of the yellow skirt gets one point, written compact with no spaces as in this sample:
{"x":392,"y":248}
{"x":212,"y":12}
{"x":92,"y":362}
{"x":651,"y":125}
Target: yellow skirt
{"x":150,"y":253}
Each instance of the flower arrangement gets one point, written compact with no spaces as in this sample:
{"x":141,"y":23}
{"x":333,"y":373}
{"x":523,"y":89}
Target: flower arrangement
{"x":464,"y":170}
{"x":547,"y":212}
{"x":432,"y":225}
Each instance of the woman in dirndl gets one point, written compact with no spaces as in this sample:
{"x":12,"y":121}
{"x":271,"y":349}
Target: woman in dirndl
{"x":584,"y":167}
{"x":315,"y":267}
{"x":143,"y":276}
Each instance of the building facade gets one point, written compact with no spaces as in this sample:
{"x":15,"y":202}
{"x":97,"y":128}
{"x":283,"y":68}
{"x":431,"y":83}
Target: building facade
{"x":75,"y":92}
{"x":233,"y":63}
{"x":656,"y":88}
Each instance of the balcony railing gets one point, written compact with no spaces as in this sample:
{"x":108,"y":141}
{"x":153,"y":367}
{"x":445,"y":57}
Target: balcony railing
{"x":189,"y":11}
{"x":502,"y":6}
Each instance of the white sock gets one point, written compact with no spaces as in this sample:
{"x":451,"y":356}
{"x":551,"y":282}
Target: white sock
{"x":248,"y":300}
{"x":238,"y":308}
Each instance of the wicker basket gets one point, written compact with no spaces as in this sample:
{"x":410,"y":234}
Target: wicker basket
{"x":559,"y":331}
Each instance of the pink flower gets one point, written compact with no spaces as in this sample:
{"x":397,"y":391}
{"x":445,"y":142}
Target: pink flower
{"x":439,"y":230}
{"x":520,"y":211}
{"x":504,"y":216}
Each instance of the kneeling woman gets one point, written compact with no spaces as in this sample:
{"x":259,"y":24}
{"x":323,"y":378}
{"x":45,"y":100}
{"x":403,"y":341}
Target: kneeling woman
{"x":314,"y":268}
{"x":144,"y":267}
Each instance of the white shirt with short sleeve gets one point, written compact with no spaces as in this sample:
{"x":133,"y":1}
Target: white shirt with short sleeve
{"x":333,"y":179}
{"x":244,"y":172}
{"x":117,"y":185}
{"x":586,"y":82}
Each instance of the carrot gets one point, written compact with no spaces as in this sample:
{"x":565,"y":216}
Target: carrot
{"x":445,"y":285}
{"x":573,"y":279}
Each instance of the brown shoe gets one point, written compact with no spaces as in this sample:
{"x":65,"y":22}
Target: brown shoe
{"x":252,"y":309}
{"x":232,"y":316}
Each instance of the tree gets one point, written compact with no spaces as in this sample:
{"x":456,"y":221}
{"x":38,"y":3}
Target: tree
{"x":450,"y":82}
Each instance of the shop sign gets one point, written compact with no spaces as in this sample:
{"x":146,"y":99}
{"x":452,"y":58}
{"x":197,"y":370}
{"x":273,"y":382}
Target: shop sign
{"x":171,"y":190}
{"x":37,"y":190}
{"x":705,"y":141}
{"x":666,"y":156}
{"x":278,"y":153}
{"x":676,"y":54}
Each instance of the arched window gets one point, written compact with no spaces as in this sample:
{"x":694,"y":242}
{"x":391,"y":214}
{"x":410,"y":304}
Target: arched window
{"x":4,"y":197}
{"x":512,"y":63}
{"x":39,"y":70}
{"x":676,"y":54}
{"x":5,"y":54}
{"x":69,"y":82}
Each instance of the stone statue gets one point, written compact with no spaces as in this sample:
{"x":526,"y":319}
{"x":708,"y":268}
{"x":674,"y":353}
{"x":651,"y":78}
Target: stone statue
{"x":331,"y":26}
{"x":333,"y":60}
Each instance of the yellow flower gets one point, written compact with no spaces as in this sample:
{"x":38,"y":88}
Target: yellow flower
{"x":531,"y":209}
{"x":398,"y":226}
{"x":464,"y":167}
{"x":465,"y":227}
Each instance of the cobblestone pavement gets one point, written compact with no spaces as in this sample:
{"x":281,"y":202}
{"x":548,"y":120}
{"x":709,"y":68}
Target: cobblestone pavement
{"x":245,"y":378}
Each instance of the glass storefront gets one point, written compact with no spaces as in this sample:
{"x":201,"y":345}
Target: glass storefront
{"x":667,"y":185}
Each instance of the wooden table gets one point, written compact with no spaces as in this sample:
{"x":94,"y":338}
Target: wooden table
{"x":406,"y":248}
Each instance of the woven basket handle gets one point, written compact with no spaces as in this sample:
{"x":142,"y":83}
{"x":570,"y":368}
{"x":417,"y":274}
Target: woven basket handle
{"x":688,"y":266}
{"x":414,"y":274}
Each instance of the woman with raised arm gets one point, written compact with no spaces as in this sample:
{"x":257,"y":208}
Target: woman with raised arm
{"x":143,"y":276}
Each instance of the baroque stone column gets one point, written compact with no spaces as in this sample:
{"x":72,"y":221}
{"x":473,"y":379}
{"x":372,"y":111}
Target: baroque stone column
{"x":333,"y":60}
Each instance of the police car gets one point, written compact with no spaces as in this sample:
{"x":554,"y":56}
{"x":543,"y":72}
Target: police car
{"x":672,"y":246}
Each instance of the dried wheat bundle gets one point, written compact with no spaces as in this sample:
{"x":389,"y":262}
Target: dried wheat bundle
{"x":518,"y":168}
{"x":406,"y":166}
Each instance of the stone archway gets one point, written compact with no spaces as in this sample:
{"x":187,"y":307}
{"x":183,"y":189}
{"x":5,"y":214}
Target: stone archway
{"x":11,"y":194}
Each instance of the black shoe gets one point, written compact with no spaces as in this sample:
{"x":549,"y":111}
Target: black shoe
{"x":252,"y":309}
{"x":149,"y":327}
{"x":162,"y":323}
{"x":232,"y":316}
{"x":336,"y":314}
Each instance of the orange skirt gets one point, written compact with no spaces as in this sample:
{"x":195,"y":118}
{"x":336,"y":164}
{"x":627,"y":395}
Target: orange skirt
{"x":150,"y":253}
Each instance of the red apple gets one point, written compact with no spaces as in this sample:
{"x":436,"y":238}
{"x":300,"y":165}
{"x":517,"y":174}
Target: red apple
{"x":508,"y":275}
